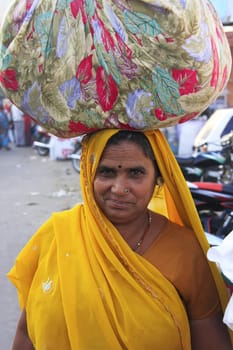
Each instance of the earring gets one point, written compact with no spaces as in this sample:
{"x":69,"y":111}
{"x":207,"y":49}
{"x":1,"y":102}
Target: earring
{"x":158,"y":186}
{"x":159,"y":181}
{"x":126,"y":190}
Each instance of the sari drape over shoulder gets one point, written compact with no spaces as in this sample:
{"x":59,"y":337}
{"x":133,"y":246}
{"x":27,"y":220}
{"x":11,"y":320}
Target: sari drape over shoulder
{"x":82,"y":285}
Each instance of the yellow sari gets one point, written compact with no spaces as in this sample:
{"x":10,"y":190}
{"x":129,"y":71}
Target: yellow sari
{"x":82,"y":285}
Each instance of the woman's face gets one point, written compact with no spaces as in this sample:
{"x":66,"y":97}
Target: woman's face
{"x":124,"y":166}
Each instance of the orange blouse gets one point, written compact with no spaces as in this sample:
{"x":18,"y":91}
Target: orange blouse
{"x":179,"y":257}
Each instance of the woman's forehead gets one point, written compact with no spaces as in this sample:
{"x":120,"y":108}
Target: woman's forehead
{"x":125,"y":153}
{"x":122,"y":149}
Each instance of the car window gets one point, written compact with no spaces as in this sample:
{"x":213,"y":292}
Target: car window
{"x":228,"y":128}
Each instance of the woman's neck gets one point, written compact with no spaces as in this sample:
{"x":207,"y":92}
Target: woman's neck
{"x":134,"y":232}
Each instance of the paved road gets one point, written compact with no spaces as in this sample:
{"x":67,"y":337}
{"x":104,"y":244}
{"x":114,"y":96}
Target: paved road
{"x":31,"y":188}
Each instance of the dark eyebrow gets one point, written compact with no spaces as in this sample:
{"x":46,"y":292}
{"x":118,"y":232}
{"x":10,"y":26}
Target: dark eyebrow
{"x":105,"y":167}
{"x":137,"y":167}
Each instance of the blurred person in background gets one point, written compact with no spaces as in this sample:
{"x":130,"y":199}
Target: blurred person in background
{"x":7,"y":109}
{"x":19,"y":127}
{"x":4,"y":128}
{"x":28,"y":129}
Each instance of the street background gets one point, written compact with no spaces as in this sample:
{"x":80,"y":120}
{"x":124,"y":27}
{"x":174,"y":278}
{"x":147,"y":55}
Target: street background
{"x":31,"y":188}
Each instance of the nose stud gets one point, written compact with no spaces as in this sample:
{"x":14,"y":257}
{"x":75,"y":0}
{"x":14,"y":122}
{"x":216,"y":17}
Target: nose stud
{"x":126,"y":190}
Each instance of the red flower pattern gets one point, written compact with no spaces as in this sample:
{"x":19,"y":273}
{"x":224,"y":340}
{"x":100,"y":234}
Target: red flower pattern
{"x":215,"y":74}
{"x":28,"y":4}
{"x":84,"y":71}
{"x":106,"y":88}
{"x":8,"y":79}
{"x":159,"y":113}
{"x":124,"y":49}
{"x":187,"y":118}
{"x":105,"y":36}
{"x":80,"y":127}
{"x":224,"y":77}
{"x":76,"y":6}
{"x":187,"y":80}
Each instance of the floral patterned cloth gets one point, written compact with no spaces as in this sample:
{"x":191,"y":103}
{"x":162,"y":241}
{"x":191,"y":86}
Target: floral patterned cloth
{"x":76,"y":66}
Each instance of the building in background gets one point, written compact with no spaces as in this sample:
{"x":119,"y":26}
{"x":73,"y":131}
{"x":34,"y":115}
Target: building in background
{"x":224,"y":9}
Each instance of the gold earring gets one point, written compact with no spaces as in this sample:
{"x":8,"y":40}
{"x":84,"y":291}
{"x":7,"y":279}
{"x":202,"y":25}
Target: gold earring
{"x":159,"y":181}
{"x":158,"y":186}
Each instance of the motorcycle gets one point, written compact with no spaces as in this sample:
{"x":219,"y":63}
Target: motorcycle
{"x":226,"y":175}
{"x":210,"y":166}
{"x":202,"y":167}
{"x":42,"y":141}
{"x":214,"y":203}
{"x":76,"y":154}
{"x":60,"y":148}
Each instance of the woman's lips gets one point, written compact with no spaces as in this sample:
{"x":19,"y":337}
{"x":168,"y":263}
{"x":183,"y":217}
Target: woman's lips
{"x":118,"y":204}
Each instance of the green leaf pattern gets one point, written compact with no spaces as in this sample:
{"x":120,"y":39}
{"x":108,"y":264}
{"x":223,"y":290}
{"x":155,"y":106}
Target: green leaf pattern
{"x":167,"y":91}
{"x":139,"y":23}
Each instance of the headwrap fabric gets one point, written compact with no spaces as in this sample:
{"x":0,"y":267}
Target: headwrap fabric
{"x":78,"y":271}
{"x":76,"y":66}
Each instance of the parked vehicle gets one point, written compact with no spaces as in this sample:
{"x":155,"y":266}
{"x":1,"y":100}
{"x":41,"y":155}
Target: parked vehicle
{"x":57,"y":147}
{"x":226,"y":175}
{"x":214,"y":203}
{"x":198,"y":167}
{"x":76,"y":154}
{"x":42,"y":140}
{"x":210,"y":166}
{"x":209,"y":137}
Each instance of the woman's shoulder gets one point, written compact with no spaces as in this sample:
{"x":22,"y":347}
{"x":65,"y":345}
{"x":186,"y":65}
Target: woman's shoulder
{"x":175,"y":235}
{"x":46,"y":232}
{"x":175,"y":245}
{"x":180,"y":258}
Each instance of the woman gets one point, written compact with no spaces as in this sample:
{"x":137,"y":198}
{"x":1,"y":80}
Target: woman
{"x":19,"y":125}
{"x":113,"y":274}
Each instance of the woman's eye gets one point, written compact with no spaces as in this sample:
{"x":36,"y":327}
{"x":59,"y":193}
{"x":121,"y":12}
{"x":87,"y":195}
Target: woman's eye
{"x":106,"y":172}
{"x":137,"y":172}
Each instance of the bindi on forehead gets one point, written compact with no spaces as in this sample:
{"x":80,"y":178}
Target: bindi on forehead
{"x":119,"y":166}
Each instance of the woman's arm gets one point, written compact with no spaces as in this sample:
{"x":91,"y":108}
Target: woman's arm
{"x":21,"y":340}
{"x":210,"y":333}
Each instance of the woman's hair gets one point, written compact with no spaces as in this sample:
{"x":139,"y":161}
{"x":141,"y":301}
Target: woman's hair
{"x":139,"y":139}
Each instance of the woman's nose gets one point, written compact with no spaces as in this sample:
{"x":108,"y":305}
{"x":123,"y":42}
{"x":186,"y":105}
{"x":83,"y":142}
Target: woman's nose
{"x":119,"y":186}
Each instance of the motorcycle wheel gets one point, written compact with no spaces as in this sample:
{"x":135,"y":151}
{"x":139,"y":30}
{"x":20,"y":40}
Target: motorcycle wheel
{"x":43,"y":151}
{"x":76,"y":160}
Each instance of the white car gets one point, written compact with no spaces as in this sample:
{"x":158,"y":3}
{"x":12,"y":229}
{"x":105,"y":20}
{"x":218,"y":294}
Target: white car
{"x":219,"y":124}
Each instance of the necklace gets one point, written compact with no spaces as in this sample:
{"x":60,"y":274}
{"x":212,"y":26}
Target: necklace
{"x":139,"y":243}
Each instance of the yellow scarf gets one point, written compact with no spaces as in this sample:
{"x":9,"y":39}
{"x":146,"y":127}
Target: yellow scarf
{"x":175,"y":200}
{"x":84,"y":288}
